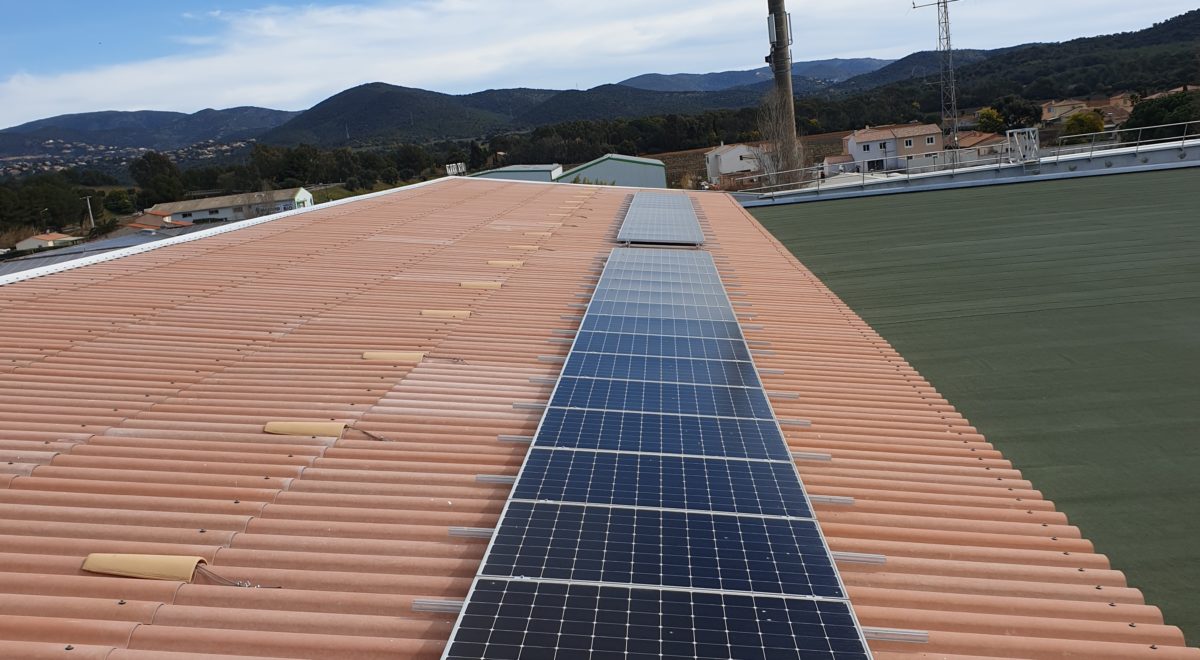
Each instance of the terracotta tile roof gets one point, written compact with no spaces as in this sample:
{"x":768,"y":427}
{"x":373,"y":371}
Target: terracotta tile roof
{"x":132,"y":421}
{"x":54,"y":236}
{"x":968,"y":139}
{"x":894,"y":131}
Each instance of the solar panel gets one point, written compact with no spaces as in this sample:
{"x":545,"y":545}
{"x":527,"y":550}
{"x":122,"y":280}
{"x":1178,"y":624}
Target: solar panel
{"x":661,"y":433}
{"x":664,"y":369}
{"x":658,"y":512}
{"x":663,"y":218}
{"x":662,"y":548}
{"x":561,"y":621}
{"x":656,"y":481}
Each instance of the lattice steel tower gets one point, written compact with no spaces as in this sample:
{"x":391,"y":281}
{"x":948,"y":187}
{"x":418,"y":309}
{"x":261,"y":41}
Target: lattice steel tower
{"x":949,"y":87}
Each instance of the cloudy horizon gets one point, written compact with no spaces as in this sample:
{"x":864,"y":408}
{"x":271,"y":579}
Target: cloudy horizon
{"x":190,"y":56}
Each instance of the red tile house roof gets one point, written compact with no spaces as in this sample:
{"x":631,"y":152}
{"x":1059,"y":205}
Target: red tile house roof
{"x":311,"y":406}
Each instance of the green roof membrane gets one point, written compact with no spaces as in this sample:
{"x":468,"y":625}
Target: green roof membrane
{"x":1063,"y":319}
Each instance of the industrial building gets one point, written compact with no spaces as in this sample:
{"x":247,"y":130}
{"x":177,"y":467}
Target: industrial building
{"x":618,"y":170}
{"x":231,"y":207}
{"x":543,"y":173}
{"x":302,"y":446}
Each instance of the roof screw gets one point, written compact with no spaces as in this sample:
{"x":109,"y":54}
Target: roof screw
{"x":1053,"y":538}
{"x":120,"y":602}
{"x":237,"y":501}
{"x":1099,"y":588}
{"x":1081,"y":570}
{"x":202,"y":530}
{"x":266,"y":477}
{"x":68,"y":647}
{"x":1112,"y":604}
{"x":1133,"y":625}
{"x":1154,"y":647}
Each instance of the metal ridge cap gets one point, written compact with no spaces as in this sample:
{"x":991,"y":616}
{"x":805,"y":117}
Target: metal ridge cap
{"x":195,"y":236}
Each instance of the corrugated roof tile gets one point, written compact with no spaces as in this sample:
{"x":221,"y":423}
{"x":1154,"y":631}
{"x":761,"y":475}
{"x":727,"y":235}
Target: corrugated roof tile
{"x":134,"y":416}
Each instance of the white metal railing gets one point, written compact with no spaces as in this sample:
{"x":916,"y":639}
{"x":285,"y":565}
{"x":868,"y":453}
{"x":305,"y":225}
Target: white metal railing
{"x":1118,"y":138}
{"x":811,"y":179}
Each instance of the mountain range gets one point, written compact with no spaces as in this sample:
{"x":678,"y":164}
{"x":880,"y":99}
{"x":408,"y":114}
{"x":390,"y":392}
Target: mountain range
{"x":835,"y":70}
{"x":150,"y":129}
{"x":378,"y":113}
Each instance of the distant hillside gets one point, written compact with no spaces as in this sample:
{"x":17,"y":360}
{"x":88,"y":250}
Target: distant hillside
{"x":378,"y":112}
{"x":917,"y":65}
{"x":835,"y":70}
{"x":509,"y":103}
{"x":147,"y":128}
{"x":617,"y":101}
{"x":1159,"y":57}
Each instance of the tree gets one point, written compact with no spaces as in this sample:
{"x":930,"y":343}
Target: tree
{"x":158,"y":177}
{"x":1170,"y":109}
{"x":1017,"y":112}
{"x":781,"y":151}
{"x":991,"y":121}
{"x":1082,"y":123}
{"x":104,"y":228}
{"x":118,"y":202}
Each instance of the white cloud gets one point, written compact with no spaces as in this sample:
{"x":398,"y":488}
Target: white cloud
{"x":290,"y":58}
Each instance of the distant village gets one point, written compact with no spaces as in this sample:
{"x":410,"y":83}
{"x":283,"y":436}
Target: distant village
{"x":59,"y":155}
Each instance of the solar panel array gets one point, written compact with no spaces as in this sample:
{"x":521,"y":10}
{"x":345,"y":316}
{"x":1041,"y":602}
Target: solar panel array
{"x":663,"y":218}
{"x":658,"y":513}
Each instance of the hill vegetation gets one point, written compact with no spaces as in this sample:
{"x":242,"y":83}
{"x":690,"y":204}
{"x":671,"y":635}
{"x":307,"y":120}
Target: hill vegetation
{"x":807,"y":73}
{"x":147,"y":129}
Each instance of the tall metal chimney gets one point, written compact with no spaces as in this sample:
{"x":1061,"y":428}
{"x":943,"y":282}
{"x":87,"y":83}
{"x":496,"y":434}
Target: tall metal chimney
{"x":780,"y":60}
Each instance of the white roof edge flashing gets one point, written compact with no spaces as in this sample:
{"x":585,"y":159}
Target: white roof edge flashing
{"x":195,"y":236}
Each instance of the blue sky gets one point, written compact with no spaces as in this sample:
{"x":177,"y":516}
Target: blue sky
{"x":60,"y":57}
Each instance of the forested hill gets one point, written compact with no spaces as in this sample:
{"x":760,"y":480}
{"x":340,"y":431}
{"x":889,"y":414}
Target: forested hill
{"x":148,"y":129}
{"x":1160,"y":57}
{"x":835,"y":70}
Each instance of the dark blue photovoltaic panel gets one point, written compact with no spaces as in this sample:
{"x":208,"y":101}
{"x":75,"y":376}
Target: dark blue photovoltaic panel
{"x":661,"y":346}
{"x":690,"y":298}
{"x":529,"y":620}
{"x":664,"y":311}
{"x":672,"y":482}
{"x":638,"y":396}
{"x":667,"y":434}
{"x":658,"y":513}
{"x":662,"y":548}
{"x":669,"y":327}
{"x":668,"y":285}
{"x":670,"y":370}
{"x":655,"y":217}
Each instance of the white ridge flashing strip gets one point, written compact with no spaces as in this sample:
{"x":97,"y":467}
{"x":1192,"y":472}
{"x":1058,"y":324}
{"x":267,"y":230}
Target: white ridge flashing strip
{"x":195,"y":236}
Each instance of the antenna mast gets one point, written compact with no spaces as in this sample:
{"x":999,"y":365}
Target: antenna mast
{"x":779,"y":23}
{"x":949,"y":87}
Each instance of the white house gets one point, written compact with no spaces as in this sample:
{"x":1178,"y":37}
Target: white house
{"x":729,"y":159}
{"x":232,"y":207}
{"x":546,"y":173}
{"x":894,"y":147}
{"x":47,"y":241}
{"x":618,"y":170}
